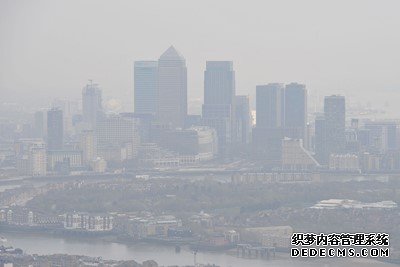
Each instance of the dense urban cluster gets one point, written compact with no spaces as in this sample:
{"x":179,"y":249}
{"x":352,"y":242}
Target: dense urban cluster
{"x":232,"y":178}
{"x":280,"y":134}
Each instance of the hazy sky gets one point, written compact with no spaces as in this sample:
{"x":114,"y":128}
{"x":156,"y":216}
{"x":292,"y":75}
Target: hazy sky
{"x":51,"y":48}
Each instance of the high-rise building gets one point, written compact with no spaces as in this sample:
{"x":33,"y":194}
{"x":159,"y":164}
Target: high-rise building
{"x":172,"y":89}
{"x":295,"y":111}
{"x":219,"y":101}
{"x":243,"y":118}
{"x":335,"y":117}
{"x":39,"y":125}
{"x":91,"y":104}
{"x":320,"y":145}
{"x":146,"y":87}
{"x":269,"y":105}
{"x":55,"y":129}
{"x":268,"y":133}
{"x":330,"y":132}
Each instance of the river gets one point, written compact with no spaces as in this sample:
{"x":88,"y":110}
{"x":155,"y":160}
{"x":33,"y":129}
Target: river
{"x":164,"y":255}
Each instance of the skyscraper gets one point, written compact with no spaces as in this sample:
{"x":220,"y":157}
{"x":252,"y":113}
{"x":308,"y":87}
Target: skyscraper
{"x":39,"y":124}
{"x":219,"y":98}
{"x":321,"y":151}
{"x":91,"y":104}
{"x":295,"y":111}
{"x":172,"y":89}
{"x":243,"y":118}
{"x":330,"y":137}
{"x":55,"y":129}
{"x":268,"y":133}
{"x":269,"y":105}
{"x":146,"y":87}
{"x":335,"y":117}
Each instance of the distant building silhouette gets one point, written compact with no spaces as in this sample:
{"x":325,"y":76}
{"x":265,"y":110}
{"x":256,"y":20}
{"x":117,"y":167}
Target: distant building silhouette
{"x":55,"y":129}
{"x":172,"y":88}
{"x":219,"y":101}
{"x":295,"y":111}
{"x":269,"y":105}
{"x":330,"y":137}
{"x":383,"y":135}
{"x":321,"y":151}
{"x":146,"y":87}
{"x":268,"y":133}
{"x":39,"y":125}
{"x":91,"y":104}
{"x":243,"y":119}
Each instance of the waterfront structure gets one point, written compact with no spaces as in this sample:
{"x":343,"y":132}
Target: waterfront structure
{"x":88,"y":222}
{"x":146,"y":87}
{"x":172,"y":89}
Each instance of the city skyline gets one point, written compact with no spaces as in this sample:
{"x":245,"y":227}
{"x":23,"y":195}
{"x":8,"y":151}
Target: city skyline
{"x":294,"y":49}
{"x":199,"y":133}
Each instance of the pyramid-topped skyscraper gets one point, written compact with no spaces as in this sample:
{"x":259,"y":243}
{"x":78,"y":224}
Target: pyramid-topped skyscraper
{"x":172,"y":89}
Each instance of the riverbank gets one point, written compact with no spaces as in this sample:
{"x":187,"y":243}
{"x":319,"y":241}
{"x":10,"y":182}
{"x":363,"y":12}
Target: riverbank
{"x":165,"y":255}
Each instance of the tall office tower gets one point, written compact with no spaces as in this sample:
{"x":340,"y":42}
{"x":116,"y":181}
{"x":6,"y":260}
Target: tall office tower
{"x":268,"y":133}
{"x":269,"y":105}
{"x":219,"y":98}
{"x":330,"y":132}
{"x":91,"y":104}
{"x":146,"y":87}
{"x":295,"y":111}
{"x":320,"y":144}
{"x":172,"y":89}
{"x":55,"y":129}
{"x":39,"y":125}
{"x":335,"y":117}
{"x":243,"y":119}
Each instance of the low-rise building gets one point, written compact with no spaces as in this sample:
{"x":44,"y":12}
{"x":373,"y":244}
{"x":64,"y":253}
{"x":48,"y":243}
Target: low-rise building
{"x":273,"y":236}
{"x":87,"y":222}
{"x":344,"y":162}
{"x":31,"y":157}
{"x":295,"y":157}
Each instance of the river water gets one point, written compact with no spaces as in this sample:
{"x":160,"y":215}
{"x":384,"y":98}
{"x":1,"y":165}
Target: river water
{"x":164,"y":255}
